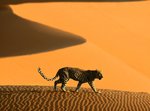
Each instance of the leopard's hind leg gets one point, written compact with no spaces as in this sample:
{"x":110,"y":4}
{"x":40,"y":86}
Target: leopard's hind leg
{"x":64,"y":77}
{"x":55,"y":84}
{"x":64,"y":82}
{"x":63,"y":87}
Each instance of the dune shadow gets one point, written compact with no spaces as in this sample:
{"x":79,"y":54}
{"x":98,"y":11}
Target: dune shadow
{"x":8,"y":2}
{"x":19,"y":36}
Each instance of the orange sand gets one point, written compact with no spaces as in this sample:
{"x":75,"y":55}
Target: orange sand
{"x":117,"y":42}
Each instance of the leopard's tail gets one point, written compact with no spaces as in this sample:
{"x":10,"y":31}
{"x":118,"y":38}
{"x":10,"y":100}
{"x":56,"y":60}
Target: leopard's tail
{"x":48,"y":79}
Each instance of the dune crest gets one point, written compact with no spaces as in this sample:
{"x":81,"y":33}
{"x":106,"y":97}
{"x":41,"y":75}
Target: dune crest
{"x":12,"y":2}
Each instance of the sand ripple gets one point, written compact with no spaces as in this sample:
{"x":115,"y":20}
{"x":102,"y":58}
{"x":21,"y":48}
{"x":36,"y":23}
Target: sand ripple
{"x":43,"y":98}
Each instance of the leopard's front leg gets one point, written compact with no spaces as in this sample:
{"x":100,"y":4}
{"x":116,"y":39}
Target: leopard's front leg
{"x":93,"y":87}
{"x":78,"y":86}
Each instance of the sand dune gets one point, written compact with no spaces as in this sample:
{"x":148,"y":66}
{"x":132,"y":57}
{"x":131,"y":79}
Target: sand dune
{"x":43,"y":98}
{"x":20,"y":36}
{"x":117,"y":35}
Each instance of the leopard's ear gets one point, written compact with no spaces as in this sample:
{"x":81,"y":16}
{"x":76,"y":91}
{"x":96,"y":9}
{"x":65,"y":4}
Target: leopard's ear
{"x":95,"y":70}
{"x":98,"y":70}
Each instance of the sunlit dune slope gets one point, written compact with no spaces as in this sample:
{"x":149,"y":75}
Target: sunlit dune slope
{"x":120,"y":28}
{"x":117,"y":75}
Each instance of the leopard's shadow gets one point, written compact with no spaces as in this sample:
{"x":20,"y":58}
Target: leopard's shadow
{"x":19,"y":36}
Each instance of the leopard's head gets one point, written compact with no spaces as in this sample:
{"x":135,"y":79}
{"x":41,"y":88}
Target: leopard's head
{"x":98,"y":74}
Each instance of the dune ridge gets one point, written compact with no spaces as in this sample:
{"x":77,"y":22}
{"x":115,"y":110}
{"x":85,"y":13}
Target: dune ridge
{"x":44,"y":98}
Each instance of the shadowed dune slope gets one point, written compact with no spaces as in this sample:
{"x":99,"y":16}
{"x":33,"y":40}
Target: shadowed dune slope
{"x":37,"y":98}
{"x":19,"y":36}
{"x":10,"y":2}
